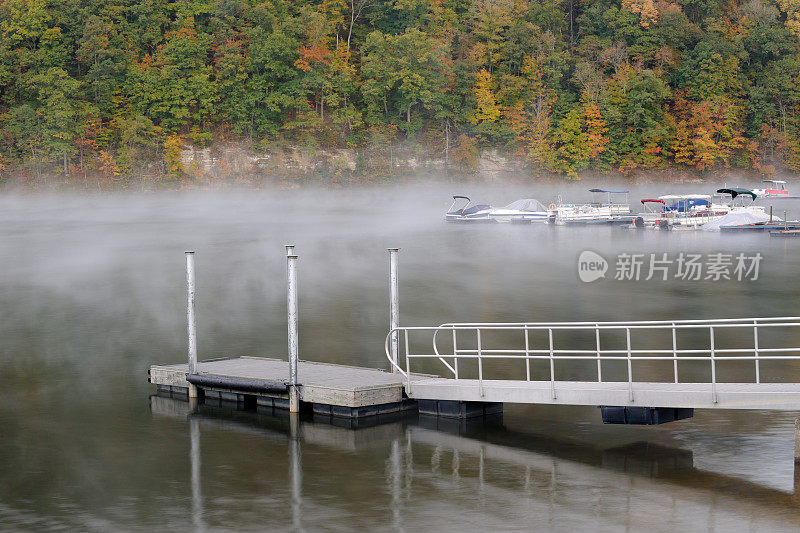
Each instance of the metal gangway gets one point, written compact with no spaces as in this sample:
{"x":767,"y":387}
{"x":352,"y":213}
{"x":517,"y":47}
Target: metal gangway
{"x":741,"y":363}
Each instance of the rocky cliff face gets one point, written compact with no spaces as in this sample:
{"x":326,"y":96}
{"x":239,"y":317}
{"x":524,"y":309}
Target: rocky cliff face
{"x":237,"y":162}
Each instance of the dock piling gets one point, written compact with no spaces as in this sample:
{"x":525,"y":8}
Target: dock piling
{"x":394,"y":305}
{"x":191,"y":325}
{"x":291,"y":316}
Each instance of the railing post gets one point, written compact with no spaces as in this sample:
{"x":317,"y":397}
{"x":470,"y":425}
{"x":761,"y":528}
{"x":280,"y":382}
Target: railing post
{"x":291,"y":319}
{"x":755,"y":351}
{"x":408,"y":362}
{"x":713,"y":368}
{"x":527,"y":355}
{"x":599,"y":362}
{"x":191,"y":325}
{"x":630,"y":369}
{"x":480,"y":363}
{"x":394,"y":306}
{"x":675,"y":352}
{"x":455,"y":354}
{"x":552,"y":366}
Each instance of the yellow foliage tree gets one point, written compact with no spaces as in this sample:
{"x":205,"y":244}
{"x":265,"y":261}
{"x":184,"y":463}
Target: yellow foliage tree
{"x":596,"y":130}
{"x":487,"y":105}
{"x":646,"y":9}
{"x":107,"y":165}
{"x":792,"y":10}
{"x":172,"y":156}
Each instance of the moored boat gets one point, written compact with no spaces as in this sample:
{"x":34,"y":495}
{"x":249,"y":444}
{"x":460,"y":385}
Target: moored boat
{"x":680,"y":211}
{"x":597,"y":212}
{"x":524,"y":210}
{"x":773,"y":189}
{"x":467,"y":212}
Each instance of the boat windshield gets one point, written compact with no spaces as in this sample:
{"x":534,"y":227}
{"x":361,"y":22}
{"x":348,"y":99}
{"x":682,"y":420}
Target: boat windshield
{"x":526,"y":204}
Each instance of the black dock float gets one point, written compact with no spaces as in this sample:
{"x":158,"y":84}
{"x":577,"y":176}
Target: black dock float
{"x":643,"y":416}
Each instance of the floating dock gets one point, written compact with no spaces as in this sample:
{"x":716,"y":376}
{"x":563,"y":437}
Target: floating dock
{"x":336,"y":390}
{"x":785,"y":233}
{"x":774,"y":226}
{"x":540,"y":359}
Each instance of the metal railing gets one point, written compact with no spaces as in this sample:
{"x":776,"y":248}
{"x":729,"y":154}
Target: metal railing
{"x":711,"y":353}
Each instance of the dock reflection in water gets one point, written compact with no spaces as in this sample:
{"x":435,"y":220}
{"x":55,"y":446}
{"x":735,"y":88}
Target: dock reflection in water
{"x":474,"y":471}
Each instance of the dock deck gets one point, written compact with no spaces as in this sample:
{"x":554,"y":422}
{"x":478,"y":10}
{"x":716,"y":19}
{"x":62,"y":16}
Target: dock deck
{"x":347,"y":390}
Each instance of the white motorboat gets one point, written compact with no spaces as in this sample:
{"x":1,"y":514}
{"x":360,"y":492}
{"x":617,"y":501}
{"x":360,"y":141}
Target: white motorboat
{"x":525,"y":210}
{"x":597,"y":212}
{"x":467,"y":212}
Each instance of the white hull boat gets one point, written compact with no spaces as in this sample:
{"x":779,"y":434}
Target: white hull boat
{"x":467,"y":212}
{"x":524,"y":211}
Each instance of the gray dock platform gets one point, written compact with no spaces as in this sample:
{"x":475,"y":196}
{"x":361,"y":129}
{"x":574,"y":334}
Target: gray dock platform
{"x":337,"y":390}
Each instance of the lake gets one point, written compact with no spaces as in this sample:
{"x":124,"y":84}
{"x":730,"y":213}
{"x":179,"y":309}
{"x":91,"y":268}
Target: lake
{"x":92,"y":293}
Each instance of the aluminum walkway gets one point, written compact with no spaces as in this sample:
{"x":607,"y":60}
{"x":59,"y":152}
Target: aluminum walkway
{"x":713,"y":364}
{"x":779,"y":396}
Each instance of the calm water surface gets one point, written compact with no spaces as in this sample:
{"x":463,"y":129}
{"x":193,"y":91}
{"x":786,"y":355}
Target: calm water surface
{"x":91,"y":294}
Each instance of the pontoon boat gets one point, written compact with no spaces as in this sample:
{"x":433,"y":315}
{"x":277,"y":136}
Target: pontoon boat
{"x":774,"y":189}
{"x":597,"y":212}
{"x":684,"y":211}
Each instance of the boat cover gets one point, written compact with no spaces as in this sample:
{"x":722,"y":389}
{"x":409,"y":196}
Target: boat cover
{"x":683,"y":206}
{"x":739,"y":218}
{"x":526,"y":204}
{"x":737,"y":191}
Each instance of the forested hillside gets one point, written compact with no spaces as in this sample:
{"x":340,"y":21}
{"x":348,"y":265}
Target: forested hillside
{"x":104,"y":88}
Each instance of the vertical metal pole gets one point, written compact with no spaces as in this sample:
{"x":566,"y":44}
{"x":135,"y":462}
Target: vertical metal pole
{"x":755,"y":351}
{"x":394,"y":305}
{"x":674,"y":352}
{"x":527,"y":355}
{"x":713,"y":368}
{"x":480,"y":364}
{"x":630,"y":369}
{"x":552,"y":366}
{"x":408,"y":362}
{"x":599,"y":361}
{"x":291,"y":318}
{"x":455,"y":353}
{"x":191,"y":324}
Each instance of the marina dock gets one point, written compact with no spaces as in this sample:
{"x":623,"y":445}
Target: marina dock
{"x":464,"y":352}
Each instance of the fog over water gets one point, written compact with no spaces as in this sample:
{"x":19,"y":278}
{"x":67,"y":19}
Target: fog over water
{"x":92,"y":293}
